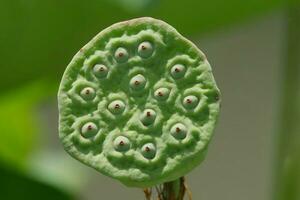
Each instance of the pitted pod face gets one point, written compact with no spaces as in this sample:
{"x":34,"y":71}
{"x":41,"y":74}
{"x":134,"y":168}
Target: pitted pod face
{"x":136,"y":100}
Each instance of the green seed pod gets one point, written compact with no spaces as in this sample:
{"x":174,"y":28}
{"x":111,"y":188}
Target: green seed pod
{"x":148,"y":150}
{"x":145,"y":49}
{"x":148,"y":116}
{"x":138,"y":82}
{"x":89,"y":130}
{"x":116,"y":107}
{"x":162,"y":94}
{"x":88,"y":93}
{"x":179,"y":131}
{"x":121,"y":55}
{"x":190,"y":101}
{"x":178,"y":71}
{"x":100,"y":70}
{"x":138,"y":103}
{"x":122,"y":144}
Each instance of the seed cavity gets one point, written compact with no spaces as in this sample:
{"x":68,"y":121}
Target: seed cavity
{"x":178,"y":131}
{"x":100,"y":70}
{"x":162,"y":94}
{"x":88,"y":93}
{"x":145,"y":49}
{"x":121,"y":55}
{"x":138,"y":82}
{"x":89,"y":130}
{"x":190,"y":101}
{"x":116,"y":106}
{"x":148,"y":117}
{"x":121,"y":144}
{"x":178,"y":71}
{"x":148,"y":150}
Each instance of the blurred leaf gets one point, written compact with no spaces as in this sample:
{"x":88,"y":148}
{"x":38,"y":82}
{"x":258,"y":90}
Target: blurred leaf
{"x":57,"y":168}
{"x":191,"y":17}
{"x":14,"y":185}
{"x":24,"y":145}
{"x":18,"y":124}
{"x":38,"y":38}
{"x":287,"y":178}
{"x":134,"y":6}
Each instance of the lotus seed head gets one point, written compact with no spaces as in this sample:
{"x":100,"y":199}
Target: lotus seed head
{"x":178,"y":71}
{"x":121,"y":55}
{"x":148,"y":117}
{"x":145,"y":49}
{"x":190,"y":101}
{"x":138,"y":82}
{"x":162,"y":94}
{"x":121,"y":144}
{"x":100,"y":70}
{"x":149,"y":150}
{"x":143,"y":78}
{"x":116,"y":106}
{"x":179,"y":131}
{"x":89,"y":129}
{"x":88,"y":93}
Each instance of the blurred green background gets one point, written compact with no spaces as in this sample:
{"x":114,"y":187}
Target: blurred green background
{"x":253,"y":47}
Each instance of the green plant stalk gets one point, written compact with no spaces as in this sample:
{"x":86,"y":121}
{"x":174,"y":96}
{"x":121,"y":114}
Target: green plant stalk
{"x":287,"y":179}
{"x":174,"y":190}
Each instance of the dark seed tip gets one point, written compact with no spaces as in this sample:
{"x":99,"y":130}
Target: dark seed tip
{"x":148,"y":114}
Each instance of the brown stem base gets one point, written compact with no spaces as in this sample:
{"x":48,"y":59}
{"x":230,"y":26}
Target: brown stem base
{"x":174,"y":190}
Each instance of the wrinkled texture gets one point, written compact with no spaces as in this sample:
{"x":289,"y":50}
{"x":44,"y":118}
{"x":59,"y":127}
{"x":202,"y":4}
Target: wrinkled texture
{"x":117,"y":48}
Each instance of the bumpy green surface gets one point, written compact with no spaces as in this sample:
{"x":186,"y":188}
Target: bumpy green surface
{"x":138,"y":103}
